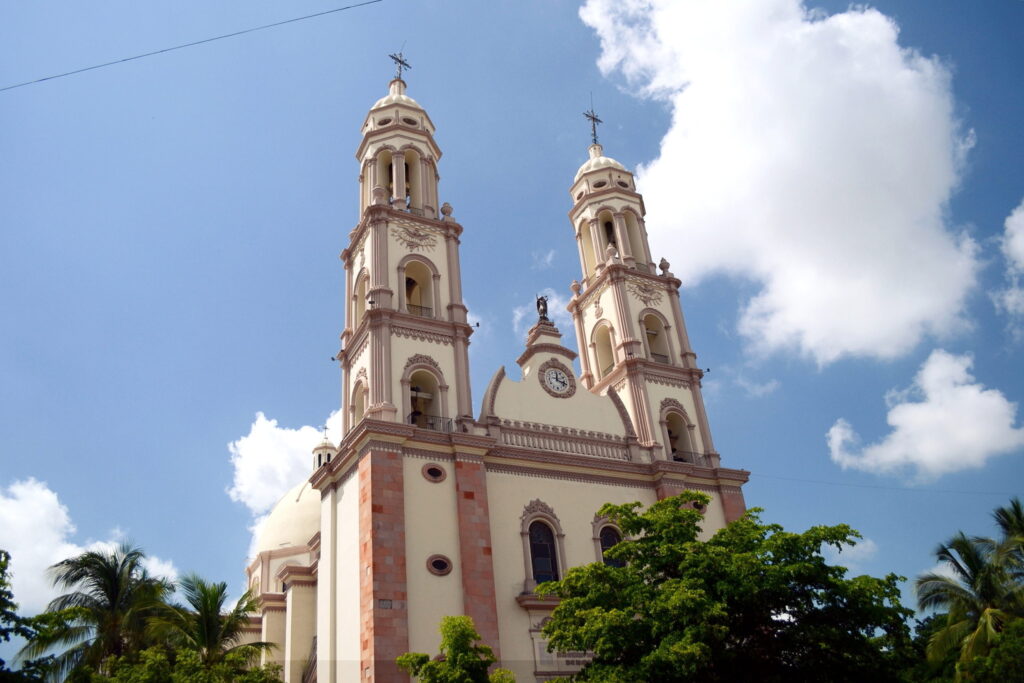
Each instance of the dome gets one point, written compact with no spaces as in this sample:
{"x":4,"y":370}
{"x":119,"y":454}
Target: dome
{"x":597,"y":161}
{"x":293,"y":521}
{"x":396,"y":95}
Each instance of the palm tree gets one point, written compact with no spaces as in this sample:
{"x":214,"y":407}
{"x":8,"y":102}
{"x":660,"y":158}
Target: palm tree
{"x":110,"y":595}
{"x":985,"y":591}
{"x":203,"y":625}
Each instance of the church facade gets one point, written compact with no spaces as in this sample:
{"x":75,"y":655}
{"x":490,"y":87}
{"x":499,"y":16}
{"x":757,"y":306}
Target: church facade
{"x":424,"y":509}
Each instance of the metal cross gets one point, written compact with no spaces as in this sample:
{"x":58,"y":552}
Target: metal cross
{"x":400,"y":64}
{"x":324,"y":427}
{"x":592,"y":117}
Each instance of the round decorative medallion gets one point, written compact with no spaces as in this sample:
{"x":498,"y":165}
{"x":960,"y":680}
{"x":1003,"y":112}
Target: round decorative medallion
{"x":557,"y":379}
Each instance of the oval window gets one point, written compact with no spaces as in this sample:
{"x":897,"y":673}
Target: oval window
{"x":580,"y":195}
{"x":409,"y":122}
{"x":623,"y":183}
{"x":383,"y":122}
{"x":439,"y":565}
{"x":600,"y":183}
{"x":434,"y":472}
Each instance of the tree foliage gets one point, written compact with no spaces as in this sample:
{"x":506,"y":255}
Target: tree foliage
{"x":752,"y":603}
{"x":983,"y":592}
{"x":159,"y":665}
{"x":103,"y":614}
{"x":204,"y":626}
{"x":13,"y":626}
{"x":1004,"y":661}
{"x":460,"y":661}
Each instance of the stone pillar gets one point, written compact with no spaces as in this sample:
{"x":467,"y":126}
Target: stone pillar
{"x":383,"y":602}
{"x":479,"y":598}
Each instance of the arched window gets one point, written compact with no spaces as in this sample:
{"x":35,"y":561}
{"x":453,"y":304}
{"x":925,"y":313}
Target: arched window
{"x":634,"y":234}
{"x":680,"y":446}
{"x":413,"y":182}
{"x":359,"y":299}
{"x":543,"y":545}
{"x":358,"y":403}
{"x":385,"y":172}
{"x":586,"y":248}
{"x":606,"y":223}
{"x":424,"y":400}
{"x":610,"y":537}
{"x":604,"y":356}
{"x":543,"y":553}
{"x":656,"y":337}
{"x":419,"y":288}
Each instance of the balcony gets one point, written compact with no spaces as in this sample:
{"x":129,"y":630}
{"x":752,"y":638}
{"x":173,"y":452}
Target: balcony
{"x":421,"y":311}
{"x":659,"y":358}
{"x":434,"y":423}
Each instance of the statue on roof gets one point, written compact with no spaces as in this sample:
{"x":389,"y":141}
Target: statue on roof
{"x":542,"y":309}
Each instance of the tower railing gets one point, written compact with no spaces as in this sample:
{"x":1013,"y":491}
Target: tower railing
{"x":421,"y":311}
{"x":659,"y":358}
{"x":691,"y":457}
{"x":432,"y":422}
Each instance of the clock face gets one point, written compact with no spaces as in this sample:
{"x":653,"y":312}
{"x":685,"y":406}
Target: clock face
{"x":556,"y":380}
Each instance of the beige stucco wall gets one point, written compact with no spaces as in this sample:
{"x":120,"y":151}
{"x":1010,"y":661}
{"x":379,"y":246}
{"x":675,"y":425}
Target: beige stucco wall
{"x":300,"y":628}
{"x":575,"y":504}
{"x":347,"y":580}
{"x":527,"y":400}
{"x":431,"y":527}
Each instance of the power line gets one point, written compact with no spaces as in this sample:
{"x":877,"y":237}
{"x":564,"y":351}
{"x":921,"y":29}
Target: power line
{"x":884,"y":488}
{"x":192,"y":44}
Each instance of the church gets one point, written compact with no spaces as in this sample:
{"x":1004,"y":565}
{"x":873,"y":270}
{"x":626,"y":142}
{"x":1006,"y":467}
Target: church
{"x":423,"y":509}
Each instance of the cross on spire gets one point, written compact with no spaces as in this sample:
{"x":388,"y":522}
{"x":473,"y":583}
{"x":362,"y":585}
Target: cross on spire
{"x":400,"y":63}
{"x":324,"y":427}
{"x":592,"y":117}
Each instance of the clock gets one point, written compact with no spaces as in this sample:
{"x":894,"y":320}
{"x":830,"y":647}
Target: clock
{"x":557,"y":379}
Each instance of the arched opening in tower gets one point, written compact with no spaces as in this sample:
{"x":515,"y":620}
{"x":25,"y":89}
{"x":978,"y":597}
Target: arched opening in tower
{"x":424,"y":401}
{"x":419,"y":289}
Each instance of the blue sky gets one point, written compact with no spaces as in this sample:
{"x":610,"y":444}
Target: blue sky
{"x":833,"y":192}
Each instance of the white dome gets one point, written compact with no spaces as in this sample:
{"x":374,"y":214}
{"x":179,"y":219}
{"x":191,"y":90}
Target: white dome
{"x":597,"y":161}
{"x":396,"y":96}
{"x":293,"y":521}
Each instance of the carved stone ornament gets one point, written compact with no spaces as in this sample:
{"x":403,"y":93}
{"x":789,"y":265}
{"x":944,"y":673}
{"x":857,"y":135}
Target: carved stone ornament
{"x":414,"y":239}
{"x":557,"y":379}
{"x":664,"y":265}
{"x":672,"y":403}
{"x":421,"y":359}
{"x":537,"y":507}
{"x":361,"y":375}
{"x":446,"y":210}
{"x":645,"y":291}
{"x":598,"y":311}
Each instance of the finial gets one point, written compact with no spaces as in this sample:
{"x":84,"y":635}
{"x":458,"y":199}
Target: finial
{"x":400,"y":63}
{"x":592,"y":117}
{"x":324,"y":428}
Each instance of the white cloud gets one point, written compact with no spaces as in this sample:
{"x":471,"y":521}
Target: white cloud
{"x":1011,"y":300}
{"x":756,"y":389}
{"x":523,"y":317}
{"x":955,"y":424}
{"x":852,"y":556}
{"x":270,"y":460}
{"x":811,"y":154}
{"x":36,"y":529}
{"x":542,"y":260}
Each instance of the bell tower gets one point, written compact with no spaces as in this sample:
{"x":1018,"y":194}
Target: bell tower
{"x":628,"y":317}
{"x":405,"y":344}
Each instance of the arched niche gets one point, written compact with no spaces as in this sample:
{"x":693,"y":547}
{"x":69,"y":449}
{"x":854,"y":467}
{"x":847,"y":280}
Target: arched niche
{"x":359,"y":297}
{"x":586,"y":246}
{"x":637,"y":243}
{"x":679,"y":433}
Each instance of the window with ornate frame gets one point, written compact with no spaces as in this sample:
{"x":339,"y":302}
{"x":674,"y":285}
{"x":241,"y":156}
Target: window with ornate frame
{"x":543,"y":545}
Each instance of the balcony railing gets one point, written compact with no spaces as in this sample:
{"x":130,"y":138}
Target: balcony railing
{"x":604,"y":373}
{"x":659,"y":358}
{"x":421,"y":311}
{"x":432,"y":422}
{"x":691,"y":457}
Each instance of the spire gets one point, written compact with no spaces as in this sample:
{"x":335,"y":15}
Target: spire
{"x":594,"y":120}
{"x":400,"y":63}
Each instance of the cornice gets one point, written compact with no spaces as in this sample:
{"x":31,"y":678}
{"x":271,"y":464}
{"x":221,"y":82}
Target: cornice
{"x":556,"y":349}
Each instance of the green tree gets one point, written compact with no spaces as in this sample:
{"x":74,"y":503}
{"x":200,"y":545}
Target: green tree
{"x":1004,"y":661}
{"x":984,"y":592}
{"x":460,"y":660}
{"x":204,"y":626}
{"x":104,"y":613}
{"x":158,"y":665}
{"x":13,"y":626}
{"x":752,"y":603}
